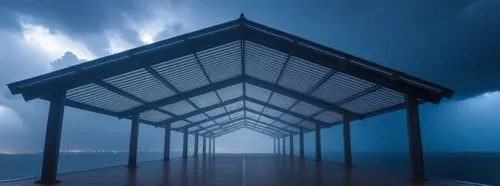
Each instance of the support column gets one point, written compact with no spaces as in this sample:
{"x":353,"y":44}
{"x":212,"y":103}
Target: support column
{"x":301,"y":143}
{"x":291,"y":144}
{"x":185,"y":144}
{"x":213,"y":146}
{"x":52,"y":139}
{"x":415,"y":139}
{"x":279,"y":146}
{"x":134,"y":137}
{"x":195,"y":145}
{"x":274,"y":146}
{"x":204,"y":145}
{"x":318,"y":142}
{"x":166,"y":143}
{"x":283,"y":144}
{"x":347,"y":142}
{"x":209,"y":146}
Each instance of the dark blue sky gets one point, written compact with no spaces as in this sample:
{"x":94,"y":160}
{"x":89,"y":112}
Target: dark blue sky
{"x":453,"y":43}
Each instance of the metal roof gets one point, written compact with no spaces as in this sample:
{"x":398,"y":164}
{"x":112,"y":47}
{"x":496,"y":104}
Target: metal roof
{"x":233,"y":75}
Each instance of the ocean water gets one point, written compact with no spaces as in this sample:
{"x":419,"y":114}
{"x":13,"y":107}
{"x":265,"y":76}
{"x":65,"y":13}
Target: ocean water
{"x":29,"y":165}
{"x":465,"y":166}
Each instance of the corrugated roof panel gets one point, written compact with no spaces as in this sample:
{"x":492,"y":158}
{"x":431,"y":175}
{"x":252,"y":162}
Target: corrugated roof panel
{"x":301,"y":75}
{"x":379,"y":99}
{"x":234,"y":106}
{"x":263,"y":63}
{"x":183,"y":73}
{"x":256,"y":92}
{"x":328,"y":116}
{"x":339,"y":87}
{"x":290,"y":119}
{"x":197,"y":118}
{"x":254,"y":106}
{"x":216,"y":112}
{"x":178,"y":124}
{"x":191,"y":129}
{"x":305,"y":109}
{"x":222,"y":119}
{"x":205,"y":100}
{"x":231,"y":92}
{"x":307,"y":124}
{"x":272,"y":112}
{"x":252,"y":115}
{"x":279,"y":124}
{"x":265,"y":119}
{"x":207,"y":123}
{"x":141,"y":84}
{"x":281,"y":101}
{"x":179,"y":108}
{"x":237,"y":115}
{"x":222,"y":62}
{"x":97,"y":96}
{"x":296,"y":130}
{"x":154,"y":116}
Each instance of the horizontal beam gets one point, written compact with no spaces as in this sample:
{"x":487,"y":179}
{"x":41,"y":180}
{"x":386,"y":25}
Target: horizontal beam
{"x":212,"y":118}
{"x":228,"y":131}
{"x":302,"y":117}
{"x":127,"y":61}
{"x":183,"y":96}
{"x":277,"y":119}
{"x":270,"y":130}
{"x":301,"y":97}
{"x":355,"y":66}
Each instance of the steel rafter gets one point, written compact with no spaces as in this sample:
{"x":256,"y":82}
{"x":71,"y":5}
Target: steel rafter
{"x":301,"y":97}
{"x":184,"y":96}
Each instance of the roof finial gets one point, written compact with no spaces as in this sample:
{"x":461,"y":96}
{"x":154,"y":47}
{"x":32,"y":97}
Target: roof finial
{"x":242,"y":16}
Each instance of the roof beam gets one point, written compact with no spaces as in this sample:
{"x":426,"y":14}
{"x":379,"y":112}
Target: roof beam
{"x":227,"y":132}
{"x":263,"y":129}
{"x":286,"y":112}
{"x":183,"y":96}
{"x":301,"y":97}
{"x":277,"y":119}
{"x":211,"y":118}
{"x":361,"y":70}
{"x":210,"y":128}
{"x":127,"y":61}
{"x":272,"y":126}
{"x":265,"y":126}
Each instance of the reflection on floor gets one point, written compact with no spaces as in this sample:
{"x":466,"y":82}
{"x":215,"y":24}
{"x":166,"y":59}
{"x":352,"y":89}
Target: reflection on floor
{"x":237,"y":169}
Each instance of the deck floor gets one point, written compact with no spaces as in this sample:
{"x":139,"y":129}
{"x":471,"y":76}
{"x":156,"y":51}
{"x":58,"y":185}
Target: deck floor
{"x":234,"y":170}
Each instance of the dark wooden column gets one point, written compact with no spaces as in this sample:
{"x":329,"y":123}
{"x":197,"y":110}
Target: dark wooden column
{"x":291,"y":144}
{"x":274,"y":146}
{"x":347,"y":142}
{"x":185,"y":144}
{"x":52,"y":139}
{"x":134,"y":137}
{"x":318,"y":142}
{"x":204,"y":145}
{"x":415,"y":139}
{"x":195,"y":144}
{"x":166,"y":143}
{"x":209,"y":146}
{"x":283,"y":145}
{"x":301,"y":143}
{"x":279,"y":146}
{"x":213,"y":146}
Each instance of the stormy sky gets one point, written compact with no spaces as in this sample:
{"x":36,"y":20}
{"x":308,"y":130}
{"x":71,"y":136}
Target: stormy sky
{"x":454,"y":43}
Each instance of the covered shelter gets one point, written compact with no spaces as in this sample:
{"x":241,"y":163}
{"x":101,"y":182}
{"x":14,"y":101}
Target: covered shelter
{"x":238,"y":74}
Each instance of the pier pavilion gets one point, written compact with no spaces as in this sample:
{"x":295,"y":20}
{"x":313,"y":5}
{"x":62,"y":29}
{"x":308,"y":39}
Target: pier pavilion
{"x":238,"y":74}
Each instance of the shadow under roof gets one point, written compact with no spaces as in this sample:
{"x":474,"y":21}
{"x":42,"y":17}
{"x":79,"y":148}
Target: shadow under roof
{"x":238,"y":74}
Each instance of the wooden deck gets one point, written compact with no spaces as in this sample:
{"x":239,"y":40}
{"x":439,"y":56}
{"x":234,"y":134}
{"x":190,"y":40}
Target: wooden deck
{"x":234,"y":170}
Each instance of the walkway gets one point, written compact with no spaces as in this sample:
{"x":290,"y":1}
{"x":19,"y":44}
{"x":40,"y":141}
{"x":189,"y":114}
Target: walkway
{"x":235,"y":170}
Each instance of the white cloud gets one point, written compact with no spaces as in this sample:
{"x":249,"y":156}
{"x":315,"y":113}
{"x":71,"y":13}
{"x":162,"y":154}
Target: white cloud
{"x":117,"y":43}
{"x":52,"y":43}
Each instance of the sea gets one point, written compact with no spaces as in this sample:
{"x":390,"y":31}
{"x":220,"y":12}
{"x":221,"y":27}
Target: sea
{"x":477,"y":167}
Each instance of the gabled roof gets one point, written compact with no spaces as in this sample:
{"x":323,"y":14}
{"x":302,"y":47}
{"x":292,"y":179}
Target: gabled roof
{"x":233,"y":75}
